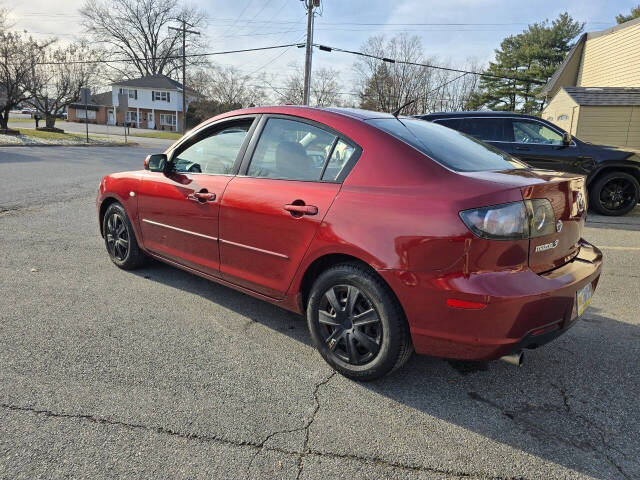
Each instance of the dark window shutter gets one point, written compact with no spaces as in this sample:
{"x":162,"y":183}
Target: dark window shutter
{"x":153,"y":96}
{"x":168,"y":97}
{"x":136,"y":94}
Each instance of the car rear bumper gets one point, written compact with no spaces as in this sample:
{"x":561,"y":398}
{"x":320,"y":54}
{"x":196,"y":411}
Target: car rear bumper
{"x":522,"y":309}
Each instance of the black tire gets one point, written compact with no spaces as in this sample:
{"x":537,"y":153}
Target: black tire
{"x":615,"y":193}
{"x":377,"y":315}
{"x":120,"y":239}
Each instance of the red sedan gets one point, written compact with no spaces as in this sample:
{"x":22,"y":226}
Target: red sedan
{"x":390,"y":234}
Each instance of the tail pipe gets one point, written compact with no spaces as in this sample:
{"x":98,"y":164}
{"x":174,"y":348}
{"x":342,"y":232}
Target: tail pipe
{"x":516,"y":358}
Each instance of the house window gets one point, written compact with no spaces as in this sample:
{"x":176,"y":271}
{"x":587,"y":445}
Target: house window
{"x":88,"y":114}
{"x":167,"y":119}
{"x":563,"y":117}
{"x":161,"y":96}
{"x":131,"y":117}
{"x":130,"y":92}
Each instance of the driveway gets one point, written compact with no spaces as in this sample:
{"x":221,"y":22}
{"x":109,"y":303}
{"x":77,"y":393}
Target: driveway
{"x":157,"y":373}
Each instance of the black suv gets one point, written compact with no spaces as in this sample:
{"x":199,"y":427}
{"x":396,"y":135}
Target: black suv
{"x":613,"y":174}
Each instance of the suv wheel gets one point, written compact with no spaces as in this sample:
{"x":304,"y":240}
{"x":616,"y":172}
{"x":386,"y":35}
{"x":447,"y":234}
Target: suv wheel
{"x":357,"y":324}
{"x":615,"y":193}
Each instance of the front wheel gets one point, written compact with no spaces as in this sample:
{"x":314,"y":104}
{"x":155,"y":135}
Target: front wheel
{"x":615,"y":193}
{"x":120,"y":239}
{"x":357,"y":324}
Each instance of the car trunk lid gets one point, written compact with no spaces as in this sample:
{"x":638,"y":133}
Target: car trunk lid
{"x":567,"y":196}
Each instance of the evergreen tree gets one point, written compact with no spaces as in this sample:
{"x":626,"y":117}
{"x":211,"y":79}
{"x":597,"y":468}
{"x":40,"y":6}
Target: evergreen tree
{"x":635,"y":13}
{"x":527,"y":60}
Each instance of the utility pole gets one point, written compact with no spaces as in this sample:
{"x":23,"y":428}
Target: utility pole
{"x":309,"y":4}
{"x":184,"y":32}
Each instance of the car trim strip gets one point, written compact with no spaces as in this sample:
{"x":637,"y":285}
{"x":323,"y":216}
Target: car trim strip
{"x":170,"y":227}
{"x":255,"y":249}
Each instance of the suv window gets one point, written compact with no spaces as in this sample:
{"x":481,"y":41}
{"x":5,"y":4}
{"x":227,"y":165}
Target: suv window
{"x":446,"y":146}
{"x":487,"y":129}
{"x":291,"y":150}
{"x":215,"y":154}
{"x":529,"y":131}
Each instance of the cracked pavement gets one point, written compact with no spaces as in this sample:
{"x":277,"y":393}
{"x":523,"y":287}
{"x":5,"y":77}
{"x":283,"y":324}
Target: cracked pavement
{"x":158,"y":373}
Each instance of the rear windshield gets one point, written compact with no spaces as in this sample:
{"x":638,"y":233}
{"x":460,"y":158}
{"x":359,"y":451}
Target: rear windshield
{"x":451,"y":148}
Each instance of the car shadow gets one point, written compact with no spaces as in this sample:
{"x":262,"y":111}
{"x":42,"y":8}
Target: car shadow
{"x":566,"y":405}
{"x":630,"y":221}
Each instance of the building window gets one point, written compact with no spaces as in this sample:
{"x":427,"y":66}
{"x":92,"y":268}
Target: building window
{"x":130,"y":92}
{"x":131,"y":117}
{"x":88,"y":114}
{"x":167,"y":119}
{"x":563,"y":118}
{"x":161,"y":96}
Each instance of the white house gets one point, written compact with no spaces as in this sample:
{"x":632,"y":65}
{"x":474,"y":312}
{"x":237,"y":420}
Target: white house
{"x":154,"y":101}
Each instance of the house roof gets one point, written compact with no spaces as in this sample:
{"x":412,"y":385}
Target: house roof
{"x":97,"y":100}
{"x":566,"y":75}
{"x":151,"y":81}
{"x":604,"y":95}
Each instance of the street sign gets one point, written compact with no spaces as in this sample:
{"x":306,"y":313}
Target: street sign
{"x":123,"y":101}
{"x":85,"y":96}
{"x":123,"y":106}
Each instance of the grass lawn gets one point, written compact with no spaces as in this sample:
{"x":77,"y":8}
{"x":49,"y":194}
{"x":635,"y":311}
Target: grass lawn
{"x":165,"y":135}
{"x":31,"y":120}
{"x":32,"y":136}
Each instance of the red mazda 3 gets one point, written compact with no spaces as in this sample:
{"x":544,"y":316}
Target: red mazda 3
{"x":390,"y":234}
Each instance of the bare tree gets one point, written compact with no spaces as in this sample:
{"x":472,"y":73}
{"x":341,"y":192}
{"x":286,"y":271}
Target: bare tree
{"x":18,"y":55}
{"x":137,"y":32}
{"x":57,"y":78}
{"x":386,"y":86}
{"x":325,"y":88}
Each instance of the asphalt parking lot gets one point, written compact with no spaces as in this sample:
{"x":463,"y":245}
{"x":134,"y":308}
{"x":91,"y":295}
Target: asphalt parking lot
{"x":160,"y":374}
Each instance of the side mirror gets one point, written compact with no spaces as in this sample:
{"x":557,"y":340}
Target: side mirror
{"x":156,"y":162}
{"x":566,"y":138}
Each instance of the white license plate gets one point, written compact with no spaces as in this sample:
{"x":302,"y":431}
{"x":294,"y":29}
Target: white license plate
{"x":583,"y":298}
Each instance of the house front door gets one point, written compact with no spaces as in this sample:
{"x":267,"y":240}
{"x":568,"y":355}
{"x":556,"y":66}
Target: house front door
{"x":150,"y":123}
{"x":111,"y":119}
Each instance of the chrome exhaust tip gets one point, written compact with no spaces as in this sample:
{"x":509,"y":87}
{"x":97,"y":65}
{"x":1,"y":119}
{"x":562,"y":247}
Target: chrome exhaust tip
{"x":516,"y":358}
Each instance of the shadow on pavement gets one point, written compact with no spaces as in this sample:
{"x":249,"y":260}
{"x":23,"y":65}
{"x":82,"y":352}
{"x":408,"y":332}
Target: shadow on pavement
{"x":568,"y":404}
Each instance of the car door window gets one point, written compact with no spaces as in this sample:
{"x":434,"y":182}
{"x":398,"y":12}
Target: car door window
{"x":528,"y":131}
{"x":291,"y":150}
{"x":342,"y":153}
{"x":216,"y":154}
{"x":486,"y":129}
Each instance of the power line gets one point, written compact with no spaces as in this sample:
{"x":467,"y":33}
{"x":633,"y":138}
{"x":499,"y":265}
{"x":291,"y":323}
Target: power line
{"x":326,"y":48}
{"x":170,"y":57}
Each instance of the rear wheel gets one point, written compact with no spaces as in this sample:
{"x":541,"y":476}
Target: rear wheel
{"x":615,"y":193}
{"x":120,"y":239}
{"x":357,"y":324}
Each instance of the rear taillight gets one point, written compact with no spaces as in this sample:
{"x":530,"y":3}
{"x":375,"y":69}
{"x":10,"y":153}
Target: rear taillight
{"x":511,"y":221}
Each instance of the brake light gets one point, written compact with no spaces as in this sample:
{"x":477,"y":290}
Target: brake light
{"x":511,"y":221}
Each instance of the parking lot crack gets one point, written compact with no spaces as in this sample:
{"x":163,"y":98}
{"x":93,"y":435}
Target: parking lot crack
{"x":305,"y":448}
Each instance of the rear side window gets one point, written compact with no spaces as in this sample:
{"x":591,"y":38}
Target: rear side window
{"x":446,"y":146}
{"x":450,"y":122}
{"x":291,"y":150}
{"x":487,"y":129}
{"x":340,"y":157}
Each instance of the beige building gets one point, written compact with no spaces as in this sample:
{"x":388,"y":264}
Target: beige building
{"x":595,"y":93}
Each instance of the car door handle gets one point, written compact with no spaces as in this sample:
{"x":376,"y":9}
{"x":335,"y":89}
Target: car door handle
{"x":523,"y":148}
{"x":202,"y":197}
{"x":299,"y":210}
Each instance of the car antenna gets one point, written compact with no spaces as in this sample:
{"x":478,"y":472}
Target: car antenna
{"x":397,"y":112}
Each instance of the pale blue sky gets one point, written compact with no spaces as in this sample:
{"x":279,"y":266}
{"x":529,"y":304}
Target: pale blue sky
{"x":248,"y":23}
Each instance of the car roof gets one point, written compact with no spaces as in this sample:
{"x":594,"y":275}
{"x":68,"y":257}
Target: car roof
{"x":478,"y":113}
